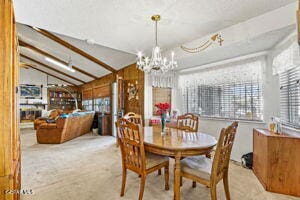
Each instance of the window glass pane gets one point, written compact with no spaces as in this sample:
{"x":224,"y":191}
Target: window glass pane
{"x":87,"y":105}
{"x":233,"y":92}
{"x":290,"y":97}
{"x":102,"y":104}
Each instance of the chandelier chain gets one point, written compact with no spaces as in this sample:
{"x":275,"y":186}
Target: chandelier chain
{"x":156,"y":34}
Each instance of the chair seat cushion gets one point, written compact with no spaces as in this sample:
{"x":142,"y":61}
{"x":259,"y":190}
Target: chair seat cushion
{"x":154,"y":159}
{"x":198,"y":166}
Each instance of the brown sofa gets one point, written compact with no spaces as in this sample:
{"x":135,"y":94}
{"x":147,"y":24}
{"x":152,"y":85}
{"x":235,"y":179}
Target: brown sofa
{"x":53,"y":115}
{"x":65,"y":129}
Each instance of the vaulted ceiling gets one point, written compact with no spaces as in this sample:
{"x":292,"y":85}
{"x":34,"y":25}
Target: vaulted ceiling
{"x":125,"y":24}
{"x":30,"y":37}
{"x":120,"y":28}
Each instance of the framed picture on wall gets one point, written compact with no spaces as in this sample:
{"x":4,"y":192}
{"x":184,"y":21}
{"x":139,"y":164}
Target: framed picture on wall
{"x":31,"y":91}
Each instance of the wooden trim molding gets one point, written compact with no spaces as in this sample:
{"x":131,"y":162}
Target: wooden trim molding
{"x":51,"y":68}
{"x":10,"y":156}
{"x":73,"y":48}
{"x":40,"y":51}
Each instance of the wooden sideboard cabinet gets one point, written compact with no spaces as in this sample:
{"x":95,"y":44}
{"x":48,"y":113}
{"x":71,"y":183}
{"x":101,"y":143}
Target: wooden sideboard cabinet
{"x":276,"y":161}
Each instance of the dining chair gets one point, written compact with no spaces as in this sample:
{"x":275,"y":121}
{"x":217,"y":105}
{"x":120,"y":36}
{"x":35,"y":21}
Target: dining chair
{"x":209,"y":172}
{"x":133,"y":117}
{"x":135,"y":158}
{"x":188,"y":122}
{"x":137,"y":119}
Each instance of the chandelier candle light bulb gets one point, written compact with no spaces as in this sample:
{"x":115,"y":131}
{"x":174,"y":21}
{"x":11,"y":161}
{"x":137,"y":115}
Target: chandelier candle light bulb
{"x":156,"y":64}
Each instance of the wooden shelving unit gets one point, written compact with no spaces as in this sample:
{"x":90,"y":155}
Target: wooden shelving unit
{"x":60,"y":99}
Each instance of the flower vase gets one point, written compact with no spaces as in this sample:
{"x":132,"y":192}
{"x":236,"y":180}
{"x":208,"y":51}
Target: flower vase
{"x":163,"y":122}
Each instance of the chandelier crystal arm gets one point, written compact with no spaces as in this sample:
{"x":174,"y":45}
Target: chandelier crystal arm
{"x":156,"y":64}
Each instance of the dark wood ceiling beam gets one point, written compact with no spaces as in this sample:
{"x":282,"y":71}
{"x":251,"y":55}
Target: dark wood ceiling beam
{"x":50,"y":74}
{"x":44,"y":53}
{"x":73,"y":48}
{"x":51,"y":68}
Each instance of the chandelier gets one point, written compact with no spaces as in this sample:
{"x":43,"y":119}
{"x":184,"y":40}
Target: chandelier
{"x":156,"y":64}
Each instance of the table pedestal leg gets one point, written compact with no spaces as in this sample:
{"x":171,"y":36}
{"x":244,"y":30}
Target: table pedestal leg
{"x":177,"y":176}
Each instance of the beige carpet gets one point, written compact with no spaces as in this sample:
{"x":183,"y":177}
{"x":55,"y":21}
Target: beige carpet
{"x":89,"y":168}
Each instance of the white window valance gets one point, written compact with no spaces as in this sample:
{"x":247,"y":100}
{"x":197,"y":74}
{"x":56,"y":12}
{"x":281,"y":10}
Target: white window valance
{"x":244,"y":71}
{"x":286,"y":59}
{"x":166,"y":80}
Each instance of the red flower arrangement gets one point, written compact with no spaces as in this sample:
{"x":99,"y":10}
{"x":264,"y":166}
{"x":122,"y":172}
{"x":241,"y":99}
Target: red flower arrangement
{"x":162,"y":108}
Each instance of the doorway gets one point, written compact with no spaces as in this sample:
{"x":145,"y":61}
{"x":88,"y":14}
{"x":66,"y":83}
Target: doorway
{"x":161,"y":95}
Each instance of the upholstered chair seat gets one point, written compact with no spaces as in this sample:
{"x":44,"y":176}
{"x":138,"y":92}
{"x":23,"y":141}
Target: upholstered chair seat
{"x":199,"y":166}
{"x":209,"y":172}
{"x":154,"y":160}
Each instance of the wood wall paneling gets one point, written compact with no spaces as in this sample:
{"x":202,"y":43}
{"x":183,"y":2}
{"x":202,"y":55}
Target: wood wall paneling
{"x":160,"y":95}
{"x":87,"y":94}
{"x":9,"y":127}
{"x":102,"y":91}
{"x":129,"y":74}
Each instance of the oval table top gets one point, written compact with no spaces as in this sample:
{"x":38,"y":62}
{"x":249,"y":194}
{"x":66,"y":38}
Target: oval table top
{"x":177,"y":140}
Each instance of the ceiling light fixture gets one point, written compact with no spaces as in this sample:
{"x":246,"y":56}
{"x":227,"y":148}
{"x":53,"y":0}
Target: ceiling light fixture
{"x":157,"y":63}
{"x":90,"y":41}
{"x":67,"y":67}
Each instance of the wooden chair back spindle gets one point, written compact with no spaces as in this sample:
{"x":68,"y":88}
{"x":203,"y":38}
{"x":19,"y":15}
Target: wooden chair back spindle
{"x":188,"y":122}
{"x":223,"y":151}
{"x":131,"y":144}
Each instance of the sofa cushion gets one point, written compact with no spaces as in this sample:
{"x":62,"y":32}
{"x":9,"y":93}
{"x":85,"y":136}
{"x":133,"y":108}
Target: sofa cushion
{"x":48,"y":125}
{"x":55,"y":113}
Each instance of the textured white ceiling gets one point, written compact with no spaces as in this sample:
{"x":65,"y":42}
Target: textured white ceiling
{"x":262,"y":42}
{"x":125,"y":24}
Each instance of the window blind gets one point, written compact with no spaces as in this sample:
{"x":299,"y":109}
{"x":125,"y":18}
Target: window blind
{"x":231,"y":92}
{"x":290,"y":97}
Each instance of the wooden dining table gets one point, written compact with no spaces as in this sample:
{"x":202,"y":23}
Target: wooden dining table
{"x":177,"y":144}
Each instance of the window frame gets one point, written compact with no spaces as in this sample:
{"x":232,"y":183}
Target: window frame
{"x":249,"y":85}
{"x":222,"y":112}
{"x":288,"y":108}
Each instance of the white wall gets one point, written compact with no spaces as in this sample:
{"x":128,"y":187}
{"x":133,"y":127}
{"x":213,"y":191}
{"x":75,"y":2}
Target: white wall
{"x":34,"y":77}
{"x":148,"y":107}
